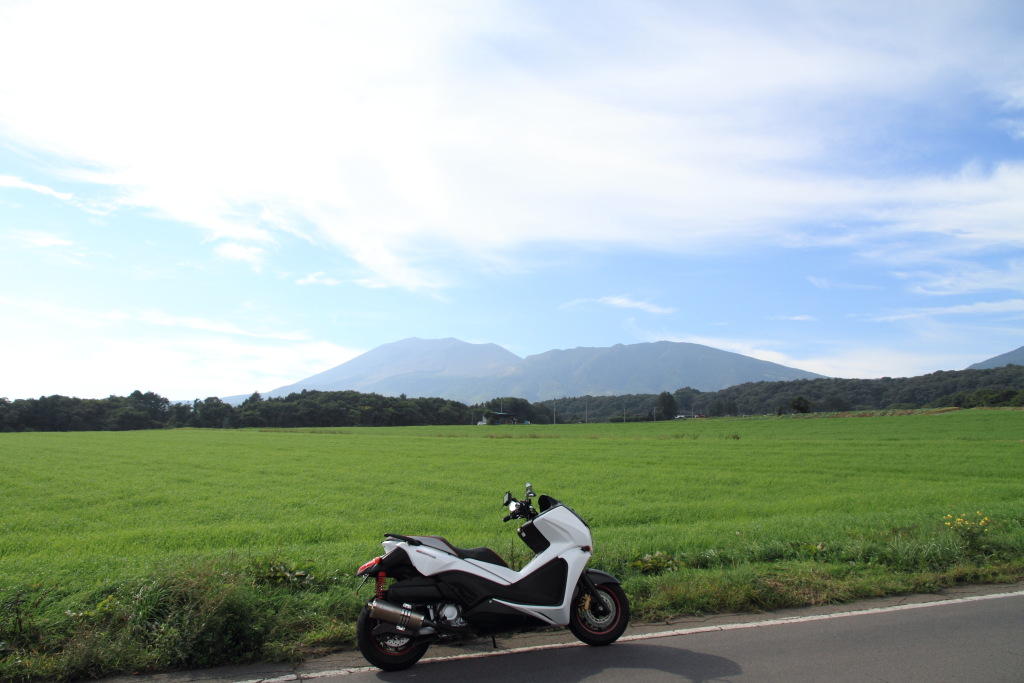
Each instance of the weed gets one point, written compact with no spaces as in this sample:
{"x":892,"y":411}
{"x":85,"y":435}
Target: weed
{"x":656,"y":563}
{"x":280,"y":572}
{"x":971,"y":530}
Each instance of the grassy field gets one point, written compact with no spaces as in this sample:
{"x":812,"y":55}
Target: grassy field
{"x":162,"y":549}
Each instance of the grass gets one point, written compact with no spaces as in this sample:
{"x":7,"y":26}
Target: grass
{"x":163,"y":550}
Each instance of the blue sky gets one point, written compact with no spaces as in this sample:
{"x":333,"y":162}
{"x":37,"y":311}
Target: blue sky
{"x":214,"y":198}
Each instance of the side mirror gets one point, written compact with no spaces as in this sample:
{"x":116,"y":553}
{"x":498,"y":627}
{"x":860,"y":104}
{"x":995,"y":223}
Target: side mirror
{"x":529,"y":491}
{"x":508,"y":499}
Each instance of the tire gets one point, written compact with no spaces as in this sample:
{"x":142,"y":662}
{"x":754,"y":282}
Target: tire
{"x":600,"y":629}
{"x":388,"y":651}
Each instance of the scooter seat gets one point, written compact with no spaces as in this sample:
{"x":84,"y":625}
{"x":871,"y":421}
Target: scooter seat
{"x":479,"y":554}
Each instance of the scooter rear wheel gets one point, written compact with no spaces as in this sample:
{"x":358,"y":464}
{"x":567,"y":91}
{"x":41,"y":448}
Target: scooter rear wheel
{"x":388,"y":651}
{"x":600,"y":625}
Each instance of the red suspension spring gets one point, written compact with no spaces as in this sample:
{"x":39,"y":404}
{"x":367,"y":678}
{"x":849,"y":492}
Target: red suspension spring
{"x":381,"y":589}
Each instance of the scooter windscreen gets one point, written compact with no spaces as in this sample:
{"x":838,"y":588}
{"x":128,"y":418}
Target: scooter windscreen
{"x":545,"y":503}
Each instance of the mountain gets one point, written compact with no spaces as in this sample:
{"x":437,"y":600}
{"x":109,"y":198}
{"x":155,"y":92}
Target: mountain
{"x":473,"y":373}
{"x":415,"y":367}
{"x":1013,"y":357}
{"x":640,"y":369}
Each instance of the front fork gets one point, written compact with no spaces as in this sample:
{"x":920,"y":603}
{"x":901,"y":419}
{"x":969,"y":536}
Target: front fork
{"x":589,"y":589}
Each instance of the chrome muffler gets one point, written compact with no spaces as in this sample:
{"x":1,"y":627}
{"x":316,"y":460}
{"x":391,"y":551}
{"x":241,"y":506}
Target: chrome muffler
{"x":402,"y":616}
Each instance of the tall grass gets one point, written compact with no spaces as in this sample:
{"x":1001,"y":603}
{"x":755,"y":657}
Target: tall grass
{"x":168,"y":549}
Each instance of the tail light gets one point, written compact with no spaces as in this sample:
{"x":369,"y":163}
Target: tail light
{"x":369,"y":565}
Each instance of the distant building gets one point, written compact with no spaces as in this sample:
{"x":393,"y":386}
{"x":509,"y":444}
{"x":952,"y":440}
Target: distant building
{"x":493,"y":418}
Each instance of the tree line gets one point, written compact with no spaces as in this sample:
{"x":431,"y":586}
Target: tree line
{"x":962,"y":388}
{"x":1003,"y":386}
{"x":152,"y":411}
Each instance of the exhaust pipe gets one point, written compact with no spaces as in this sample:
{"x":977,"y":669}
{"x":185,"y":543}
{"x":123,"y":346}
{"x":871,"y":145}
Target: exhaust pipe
{"x":399,"y":616}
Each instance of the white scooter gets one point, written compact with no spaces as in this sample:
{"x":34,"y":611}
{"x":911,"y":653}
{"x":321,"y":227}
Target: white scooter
{"x":442,"y":592}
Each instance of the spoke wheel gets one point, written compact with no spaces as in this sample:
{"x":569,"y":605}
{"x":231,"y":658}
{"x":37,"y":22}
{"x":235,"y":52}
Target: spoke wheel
{"x":600,"y":619}
{"x":388,"y":651}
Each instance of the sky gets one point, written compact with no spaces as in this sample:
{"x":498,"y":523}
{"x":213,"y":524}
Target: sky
{"x":214,"y":198}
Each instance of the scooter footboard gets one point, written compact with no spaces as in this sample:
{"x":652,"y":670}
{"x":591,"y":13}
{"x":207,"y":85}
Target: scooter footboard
{"x":541,"y":588}
{"x":558,"y":614}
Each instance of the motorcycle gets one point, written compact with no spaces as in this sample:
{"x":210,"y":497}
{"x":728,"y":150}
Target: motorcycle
{"x":439,"y":593}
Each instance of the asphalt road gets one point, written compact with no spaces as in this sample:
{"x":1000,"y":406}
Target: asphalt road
{"x":979,"y":640}
{"x":970,"y":633}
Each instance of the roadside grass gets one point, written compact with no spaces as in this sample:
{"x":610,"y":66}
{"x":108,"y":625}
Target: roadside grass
{"x":163,"y":550}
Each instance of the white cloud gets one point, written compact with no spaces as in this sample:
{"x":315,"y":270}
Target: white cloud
{"x":414,"y":138}
{"x":1015,"y":128}
{"x":626,"y":302}
{"x":179,"y":368}
{"x":41,"y":240}
{"x":826,"y":283}
{"x":622,"y":302}
{"x":849,"y":360}
{"x":318,"y":278}
{"x":872,"y":362}
{"x":54,"y":249}
{"x":966,"y":278}
{"x":239,"y":252}
{"x":978,"y":308}
{"x":979,"y":209}
{"x":759,"y":349}
{"x":119,"y":351}
{"x":18,"y":183}
{"x":161,"y":319}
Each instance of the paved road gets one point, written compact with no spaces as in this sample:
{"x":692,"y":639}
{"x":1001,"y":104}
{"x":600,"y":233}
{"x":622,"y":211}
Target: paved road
{"x":981,"y":640}
{"x":971,"y":634}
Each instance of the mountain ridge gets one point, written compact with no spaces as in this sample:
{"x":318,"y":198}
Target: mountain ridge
{"x":472,"y":373}
{"x":1015,"y":357}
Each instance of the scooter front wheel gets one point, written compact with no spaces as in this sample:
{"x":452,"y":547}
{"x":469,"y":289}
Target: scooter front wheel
{"x":600,"y":618}
{"x":388,"y":651}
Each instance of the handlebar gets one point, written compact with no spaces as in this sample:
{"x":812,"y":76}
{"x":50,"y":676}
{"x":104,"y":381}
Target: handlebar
{"x":519,"y":509}
{"x":524,"y":512}
{"x":518,"y":513}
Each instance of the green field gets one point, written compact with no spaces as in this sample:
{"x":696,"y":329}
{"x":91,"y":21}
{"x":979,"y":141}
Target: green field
{"x":102,"y":533}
